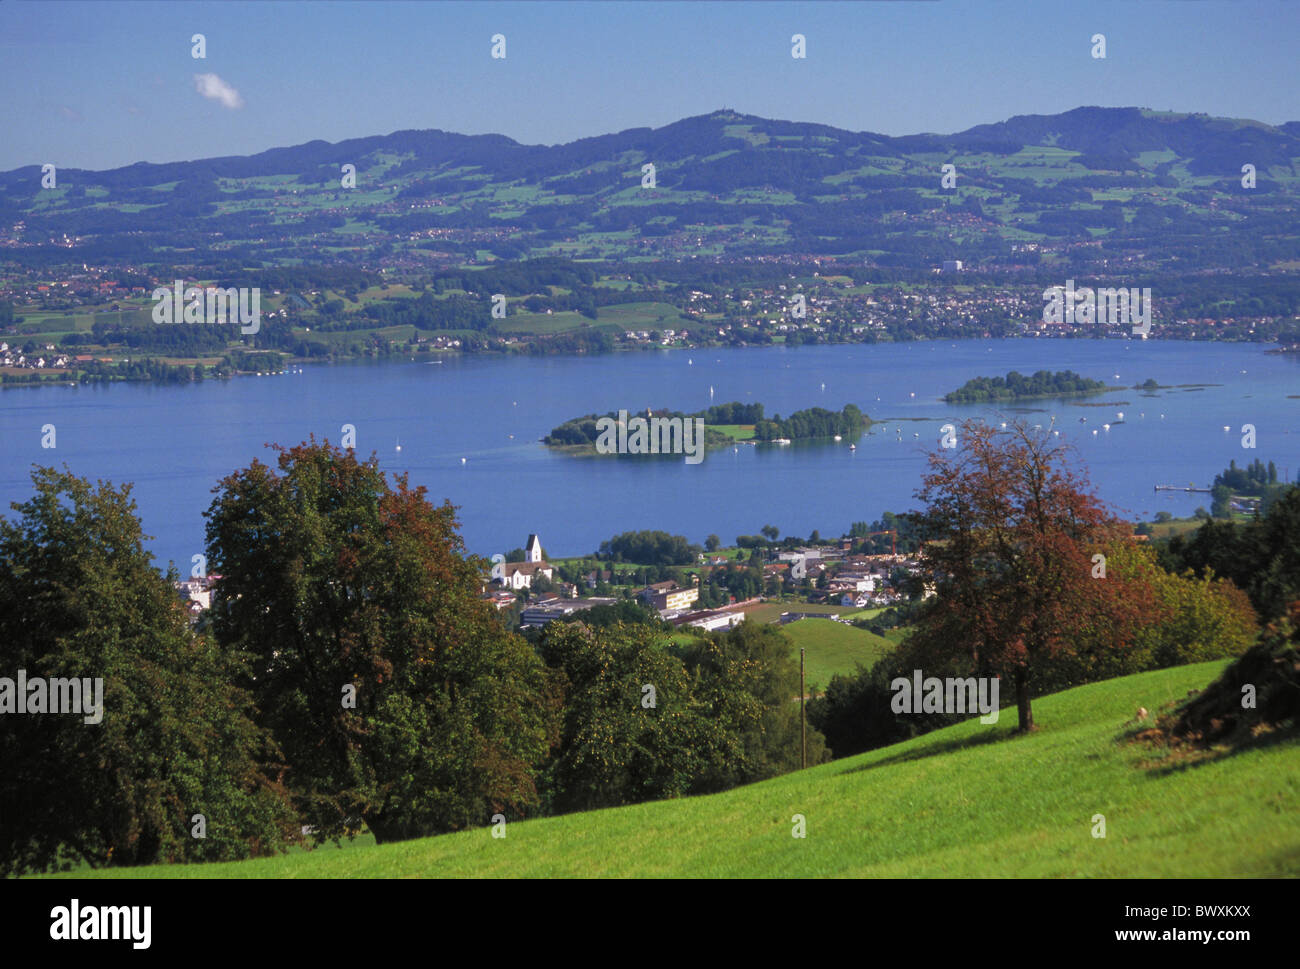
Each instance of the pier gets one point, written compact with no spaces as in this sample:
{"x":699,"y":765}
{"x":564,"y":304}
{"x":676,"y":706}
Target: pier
{"x":1197,"y":491}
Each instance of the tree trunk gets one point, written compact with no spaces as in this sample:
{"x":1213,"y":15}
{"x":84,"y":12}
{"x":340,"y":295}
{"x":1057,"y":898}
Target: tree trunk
{"x":1022,"y":700}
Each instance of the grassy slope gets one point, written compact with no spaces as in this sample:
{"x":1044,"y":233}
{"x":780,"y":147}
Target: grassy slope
{"x":972,"y":800}
{"x":832,"y":647}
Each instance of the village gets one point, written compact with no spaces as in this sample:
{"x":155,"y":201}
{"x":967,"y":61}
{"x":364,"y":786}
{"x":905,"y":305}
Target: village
{"x":803,"y":582}
{"x":814,"y":576}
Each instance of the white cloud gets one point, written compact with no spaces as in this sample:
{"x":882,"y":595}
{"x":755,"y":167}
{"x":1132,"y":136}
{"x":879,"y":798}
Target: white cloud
{"x":211,"y":86}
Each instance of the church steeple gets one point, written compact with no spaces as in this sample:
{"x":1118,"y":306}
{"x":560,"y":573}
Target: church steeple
{"x":533,"y":550}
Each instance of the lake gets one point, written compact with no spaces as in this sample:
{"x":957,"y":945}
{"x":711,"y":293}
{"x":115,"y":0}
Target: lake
{"x":175,"y":443}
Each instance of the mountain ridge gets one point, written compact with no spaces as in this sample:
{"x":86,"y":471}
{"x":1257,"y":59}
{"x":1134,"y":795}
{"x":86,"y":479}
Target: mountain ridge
{"x":969,"y":135}
{"x":1155,"y":187}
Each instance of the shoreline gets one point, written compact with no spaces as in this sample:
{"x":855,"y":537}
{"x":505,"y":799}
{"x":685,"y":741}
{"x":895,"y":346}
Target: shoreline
{"x":442,"y":355}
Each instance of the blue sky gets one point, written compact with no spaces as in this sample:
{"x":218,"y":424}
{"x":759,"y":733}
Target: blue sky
{"x":107,"y":83}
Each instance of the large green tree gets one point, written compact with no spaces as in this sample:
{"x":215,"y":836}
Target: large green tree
{"x":722,"y":712}
{"x":396,"y":694}
{"x":80,"y":598}
{"x":621,"y":742}
{"x":748,"y":679}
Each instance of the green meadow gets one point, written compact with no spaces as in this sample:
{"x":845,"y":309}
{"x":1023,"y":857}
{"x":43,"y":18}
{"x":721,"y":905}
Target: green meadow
{"x":832,"y":647}
{"x":972,"y":800}
{"x":770,"y":611}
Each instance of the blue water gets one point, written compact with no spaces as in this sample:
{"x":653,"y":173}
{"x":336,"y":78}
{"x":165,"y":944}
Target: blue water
{"x":175,"y":443}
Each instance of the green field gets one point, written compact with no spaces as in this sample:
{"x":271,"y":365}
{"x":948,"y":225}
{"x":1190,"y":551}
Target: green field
{"x":832,"y":647}
{"x":643,"y":315}
{"x":738,"y":432}
{"x":771,"y":611}
{"x":1178,"y":526}
{"x":968,"y":801}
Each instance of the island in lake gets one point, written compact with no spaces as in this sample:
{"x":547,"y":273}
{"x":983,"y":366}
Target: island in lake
{"x":1016,"y":386}
{"x":724,"y":425}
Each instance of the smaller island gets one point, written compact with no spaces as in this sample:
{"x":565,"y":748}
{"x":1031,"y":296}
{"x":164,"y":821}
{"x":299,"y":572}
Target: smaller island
{"x":724,"y":425}
{"x":1016,"y":386}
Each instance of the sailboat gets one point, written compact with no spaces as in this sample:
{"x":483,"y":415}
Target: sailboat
{"x":399,"y":444}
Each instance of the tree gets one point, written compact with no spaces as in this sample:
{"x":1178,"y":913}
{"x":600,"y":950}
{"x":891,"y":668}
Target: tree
{"x":1010,"y":532}
{"x":712,"y":543}
{"x":656,"y":548}
{"x":1194,"y":620}
{"x":1221,"y":501}
{"x":854,"y":713}
{"x":746,"y":677}
{"x":720,"y":713}
{"x":771,"y":532}
{"x":80,"y":598}
{"x":394,"y":691}
{"x":626,"y":611}
{"x":615,"y":746}
{"x":1261,"y":556}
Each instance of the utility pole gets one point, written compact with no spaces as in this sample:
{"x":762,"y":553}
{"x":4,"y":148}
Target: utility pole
{"x":803,"y":732}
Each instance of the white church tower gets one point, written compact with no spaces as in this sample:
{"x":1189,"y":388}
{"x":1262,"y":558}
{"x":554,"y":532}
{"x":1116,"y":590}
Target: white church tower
{"x":533,"y":550}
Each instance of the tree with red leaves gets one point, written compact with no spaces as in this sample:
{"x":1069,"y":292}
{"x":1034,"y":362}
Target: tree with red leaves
{"x":1012,"y":537}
